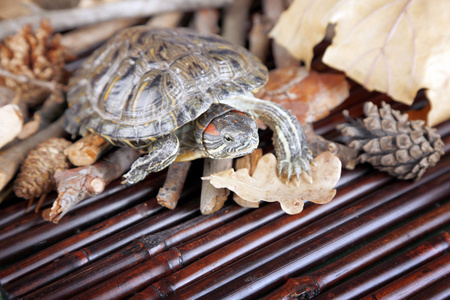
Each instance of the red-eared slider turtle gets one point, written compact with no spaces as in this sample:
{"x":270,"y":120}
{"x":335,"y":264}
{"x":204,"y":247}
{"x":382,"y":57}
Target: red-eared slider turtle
{"x":179,"y":94}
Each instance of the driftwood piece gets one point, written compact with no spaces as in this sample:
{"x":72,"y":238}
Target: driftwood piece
{"x":52,"y":108}
{"x":83,"y":39}
{"x":212,"y":199}
{"x":64,"y":19}
{"x":318,"y":144}
{"x":309,"y":285}
{"x":169,"y":194}
{"x":11,"y":158}
{"x":206,"y":20}
{"x":272,"y":10}
{"x":11,"y":122}
{"x":87,"y":150}
{"x":77,"y":184}
{"x":234,"y":22}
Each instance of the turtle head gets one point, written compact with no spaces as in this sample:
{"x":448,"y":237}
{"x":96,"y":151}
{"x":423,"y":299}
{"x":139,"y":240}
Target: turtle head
{"x":230,"y":135}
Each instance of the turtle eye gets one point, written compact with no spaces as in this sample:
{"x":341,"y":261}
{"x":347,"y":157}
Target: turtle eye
{"x":228,"y":138}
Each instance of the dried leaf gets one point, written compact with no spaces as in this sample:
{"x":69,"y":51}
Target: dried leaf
{"x":265,"y":185}
{"x":397,"y":47}
{"x":308,"y":95}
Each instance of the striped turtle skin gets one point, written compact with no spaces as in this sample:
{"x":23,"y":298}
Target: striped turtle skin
{"x":145,"y":89}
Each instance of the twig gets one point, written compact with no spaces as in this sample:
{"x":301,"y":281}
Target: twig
{"x":258,"y":38}
{"x":273,"y":9}
{"x":11,"y":158}
{"x":206,"y":20}
{"x":83,"y":39}
{"x":234,"y":22}
{"x":318,"y":144}
{"x":64,"y":19}
{"x":49,"y":85}
{"x":52,"y":108}
{"x":87,"y":150}
{"x":77,"y":184}
{"x":170,"y":19}
{"x":11,"y":122}
{"x":169,"y":194}
{"x":212,"y":199}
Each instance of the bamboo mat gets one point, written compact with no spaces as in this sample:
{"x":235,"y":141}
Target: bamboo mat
{"x":378,"y":238}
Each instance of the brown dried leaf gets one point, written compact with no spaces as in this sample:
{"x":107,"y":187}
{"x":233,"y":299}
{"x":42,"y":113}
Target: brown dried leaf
{"x":397,"y":47}
{"x":308,"y":95}
{"x":265,"y":185}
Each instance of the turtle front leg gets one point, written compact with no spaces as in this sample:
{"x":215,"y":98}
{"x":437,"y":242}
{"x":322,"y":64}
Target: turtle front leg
{"x":162,"y":153}
{"x":289,"y":140}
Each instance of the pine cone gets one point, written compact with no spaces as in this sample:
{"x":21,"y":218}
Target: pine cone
{"x":37,"y":55}
{"x":392,"y":143}
{"x":36,"y":174}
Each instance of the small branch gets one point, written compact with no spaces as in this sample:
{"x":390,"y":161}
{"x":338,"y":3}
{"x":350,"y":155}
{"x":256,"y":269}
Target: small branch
{"x":87,"y":150}
{"x":248,"y":162}
{"x":64,"y":19}
{"x":86,"y":38}
{"x":11,"y":158}
{"x":318,"y":144}
{"x":206,"y":20}
{"x":258,"y":39}
{"x":169,"y":20}
{"x":52,"y":108}
{"x":169,"y":194}
{"x":77,"y":184}
{"x":49,"y":85}
{"x":212,"y":199}
{"x":234,"y":23}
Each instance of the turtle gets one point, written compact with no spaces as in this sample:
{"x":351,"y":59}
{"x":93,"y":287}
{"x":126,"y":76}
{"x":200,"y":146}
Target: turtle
{"x":177,"y":95}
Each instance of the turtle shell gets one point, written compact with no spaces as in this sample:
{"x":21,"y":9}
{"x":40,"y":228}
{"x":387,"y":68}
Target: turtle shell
{"x":144,"y":83}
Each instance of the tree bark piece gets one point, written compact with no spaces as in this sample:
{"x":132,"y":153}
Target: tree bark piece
{"x":87,"y":150}
{"x":52,"y":108}
{"x":83,"y":39}
{"x":212,"y":199}
{"x":77,"y":184}
{"x":249,"y":162}
{"x":11,"y":122}
{"x":169,"y":194}
{"x":76,"y":17}
{"x":11,"y":158}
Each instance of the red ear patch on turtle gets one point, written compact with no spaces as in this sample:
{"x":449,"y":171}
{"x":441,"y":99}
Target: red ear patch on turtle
{"x":211,"y":129}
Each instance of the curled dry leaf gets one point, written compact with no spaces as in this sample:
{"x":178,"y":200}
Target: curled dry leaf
{"x":308,"y":95}
{"x":265,"y":185}
{"x":397,"y":47}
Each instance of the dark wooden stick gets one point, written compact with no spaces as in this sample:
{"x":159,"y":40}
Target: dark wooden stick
{"x":341,"y":269}
{"x":416,"y":280}
{"x":26,"y":222}
{"x":139,"y":251}
{"x":242,"y":280}
{"x":440,"y":290}
{"x":263,"y":236}
{"x":77,"y":259}
{"x":169,"y":194}
{"x":80,"y":218}
{"x":384,"y":273}
{"x":171,"y":261}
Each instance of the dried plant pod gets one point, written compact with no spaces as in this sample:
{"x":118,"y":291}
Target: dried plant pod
{"x":266,"y":186}
{"x":36,"y":55}
{"x":392,"y":143}
{"x":36,"y":173}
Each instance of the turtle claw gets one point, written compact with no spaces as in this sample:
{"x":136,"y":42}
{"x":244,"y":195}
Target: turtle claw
{"x":286,"y":169}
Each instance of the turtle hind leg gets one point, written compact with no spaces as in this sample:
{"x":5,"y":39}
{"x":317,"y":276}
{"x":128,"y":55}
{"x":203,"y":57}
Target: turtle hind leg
{"x":162,"y":153}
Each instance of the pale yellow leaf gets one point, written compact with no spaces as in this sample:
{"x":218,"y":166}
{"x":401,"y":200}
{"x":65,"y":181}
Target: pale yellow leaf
{"x":393,"y":46}
{"x":265,"y":184}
